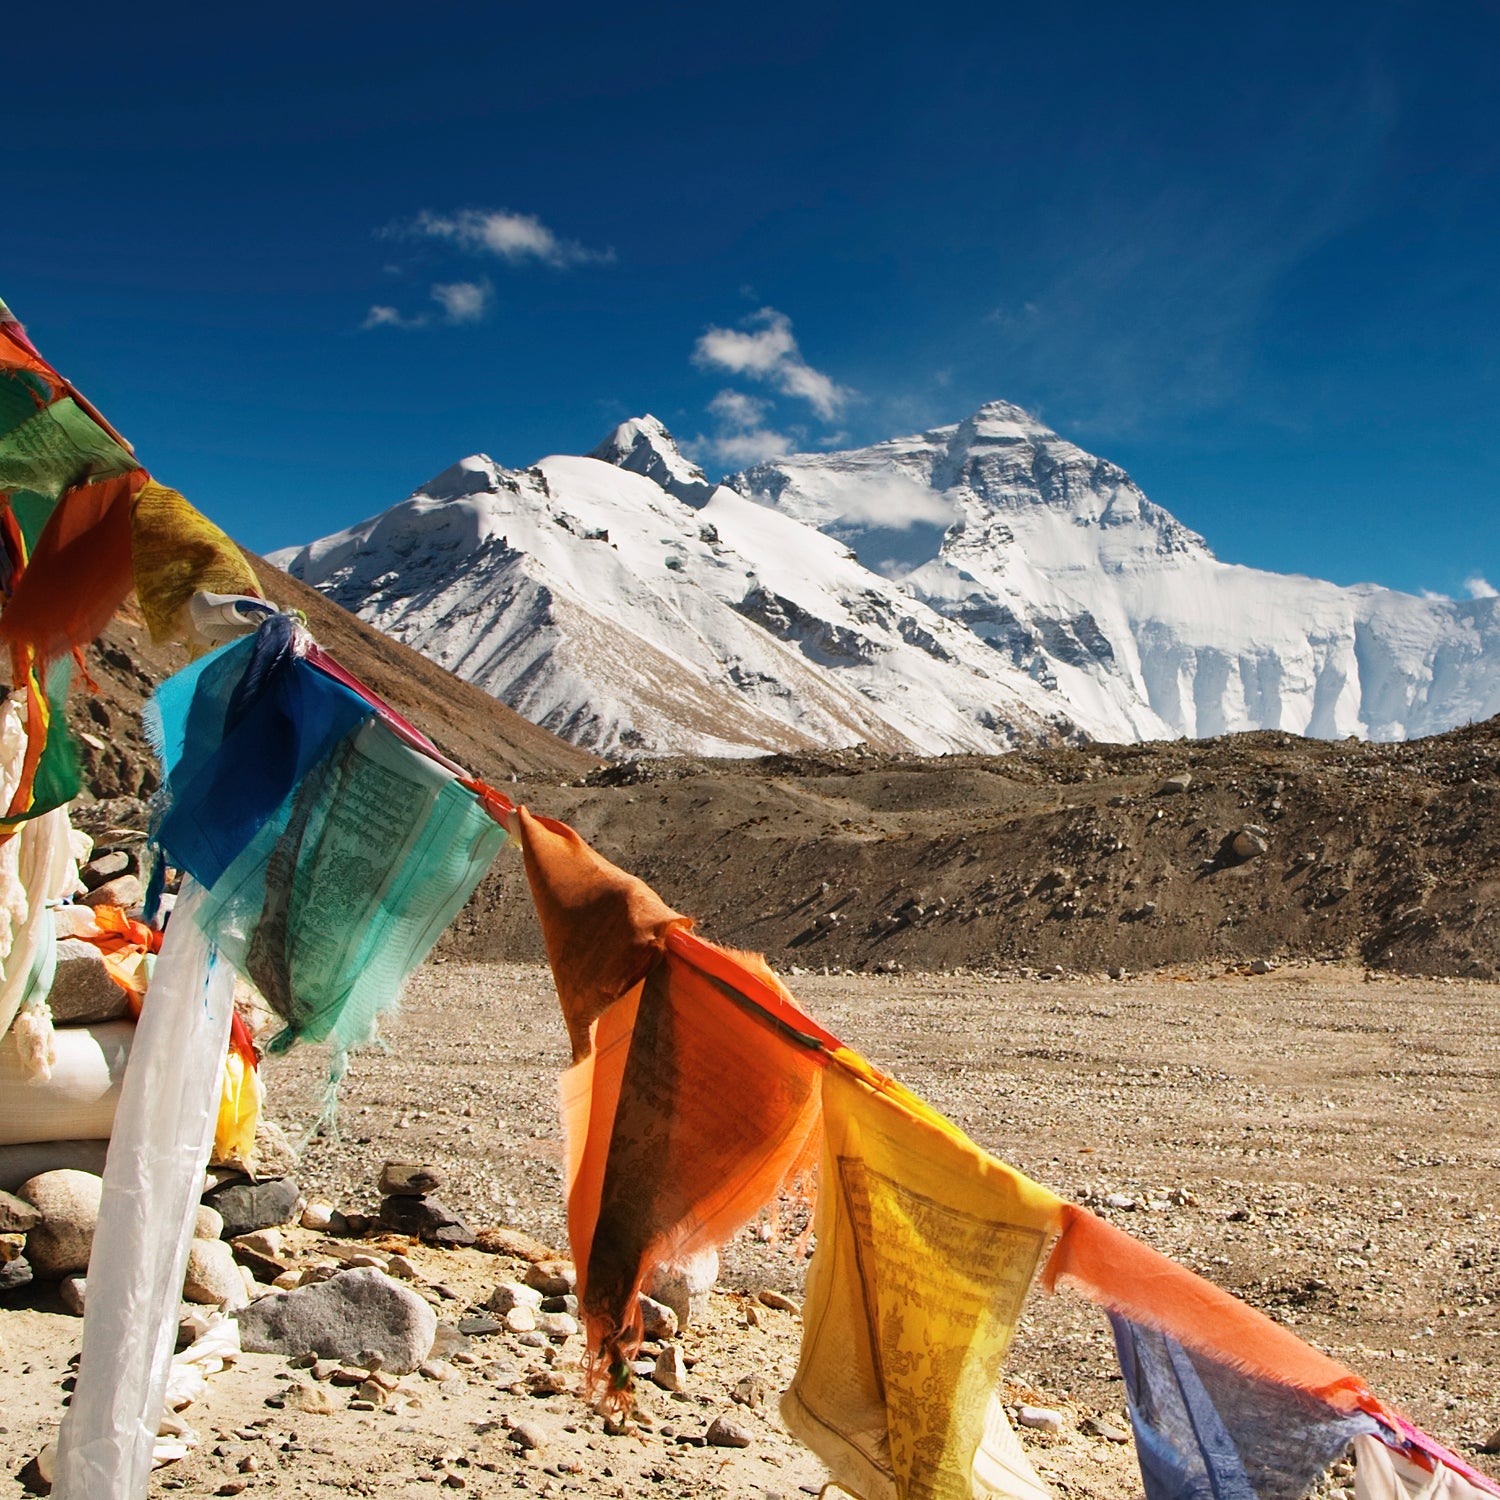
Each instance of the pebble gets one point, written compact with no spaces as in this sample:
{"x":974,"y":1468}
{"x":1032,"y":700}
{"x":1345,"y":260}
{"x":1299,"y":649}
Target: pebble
{"x":398,"y":1265}
{"x":1098,"y":1427}
{"x":68,"y":1202}
{"x":448,"y":1342}
{"x":1248,"y":843}
{"x":208,"y":1223}
{"x":478,"y":1327}
{"x":73,"y":1290}
{"x":364,"y":1258}
{"x":670,"y":1372}
{"x":552,"y":1278}
{"x":263,"y":1242}
{"x":511,"y":1294}
{"x":557,"y":1326}
{"x":778,"y":1301}
{"x":657,"y":1321}
{"x":722,"y":1433}
{"x":1180,"y":781}
{"x":520,"y":1319}
{"x":1492,"y":1443}
{"x":527,"y":1436}
{"x":1041,"y":1418}
{"x":312,"y":1399}
{"x":319,"y":1216}
{"x":436,"y":1369}
{"x":753,"y":1391}
{"x":15,"y":1273}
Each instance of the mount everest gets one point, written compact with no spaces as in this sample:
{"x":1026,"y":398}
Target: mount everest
{"x":970,"y":588}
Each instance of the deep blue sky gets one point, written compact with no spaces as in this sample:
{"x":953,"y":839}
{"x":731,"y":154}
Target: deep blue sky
{"x":1250,"y":252}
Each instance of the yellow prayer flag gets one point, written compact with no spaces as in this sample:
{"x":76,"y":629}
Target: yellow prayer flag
{"x":926,"y":1250}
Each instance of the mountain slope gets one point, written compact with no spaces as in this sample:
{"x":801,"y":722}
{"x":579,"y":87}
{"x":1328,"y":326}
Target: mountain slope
{"x":1057,"y":559}
{"x":606,"y":608}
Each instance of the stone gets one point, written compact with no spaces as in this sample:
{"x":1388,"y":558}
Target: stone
{"x":568,"y":1304}
{"x":1248,"y":843}
{"x":552,"y":1278}
{"x":479,"y":1327}
{"x":527,"y":1436}
{"x":511,"y":1294}
{"x":657,"y":1320}
{"x":670,"y":1372}
{"x":109,"y":864}
{"x":1179,"y":781}
{"x":399,"y":1266}
{"x":437,"y":1369}
{"x":411,"y":1179}
{"x":1098,"y":1427}
{"x":1492,"y":1443}
{"x":213,"y":1278}
{"x":68,"y":1202}
{"x":312,"y":1399}
{"x":246,"y":1205}
{"x":722,"y":1433}
{"x":448,"y":1341}
{"x":320,"y":1217}
{"x":124,"y":891}
{"x":15,"y":1273}
{"x":265,"y":1243}
{"x":1262,"y":966}
{"x":351,"y":1313}
{"x":72,"y":1291}
{"x":365,"y":1258}
{"x":496,"y":1240}
{"x":779,"y":1301}
{"x":82,"y":992}
{"x":685,"y":1288}
{"x":753,"y":1391}
{"x":1040,"y":1418}
{"x":520,"y":1319}
{"x":17,"y":1216}
{"x":557,"y":1326}
{"x":209,"y":1223}
{"x":426,"y":1218}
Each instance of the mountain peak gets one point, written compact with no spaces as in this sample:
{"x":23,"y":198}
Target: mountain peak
{"x":644,"y":446}
{"x":478,"y":474}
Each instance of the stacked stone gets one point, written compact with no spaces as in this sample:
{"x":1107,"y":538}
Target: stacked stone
{"x":408,"y":1205}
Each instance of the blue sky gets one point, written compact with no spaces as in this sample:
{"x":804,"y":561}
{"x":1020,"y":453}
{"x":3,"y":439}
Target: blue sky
{"x":305,"y":257}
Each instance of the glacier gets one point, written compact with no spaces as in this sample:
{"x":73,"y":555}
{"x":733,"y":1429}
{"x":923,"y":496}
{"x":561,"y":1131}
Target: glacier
{"x":971,"y":588}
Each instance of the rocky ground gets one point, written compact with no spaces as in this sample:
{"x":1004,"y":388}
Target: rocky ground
{"x":1317,"y":1140}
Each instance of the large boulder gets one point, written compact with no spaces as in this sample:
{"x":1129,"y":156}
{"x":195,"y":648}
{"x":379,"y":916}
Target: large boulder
{"x":68,"y":1202}
{"x":348,"y":1316}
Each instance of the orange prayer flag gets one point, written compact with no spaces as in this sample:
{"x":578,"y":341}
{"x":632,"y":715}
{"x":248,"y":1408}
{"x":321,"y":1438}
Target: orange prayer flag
{"x":79,"y":572}
{"x":1128,"y":1278}
{"x":603,"y":928}
{"x":694,"y":1093}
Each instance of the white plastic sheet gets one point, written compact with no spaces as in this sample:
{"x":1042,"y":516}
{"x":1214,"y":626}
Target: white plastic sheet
{"x":164,"y":1129}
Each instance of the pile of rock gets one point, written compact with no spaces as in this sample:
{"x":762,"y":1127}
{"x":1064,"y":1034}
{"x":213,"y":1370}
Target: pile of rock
{"x":408,"y":1205}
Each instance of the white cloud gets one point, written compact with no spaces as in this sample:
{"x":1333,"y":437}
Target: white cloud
{"x":390,"y":317}
{"x":897,"y":502}
{"x":516,"y":238}
{"x":765,"y":349}
{"x":463,"y":301}
{"x":742,"y":438}
{"x":736,"y":409}
{"x":1480,"y":588}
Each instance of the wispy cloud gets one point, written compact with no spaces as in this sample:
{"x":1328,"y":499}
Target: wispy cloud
{"x":461,"y":302}
{"x":516,"y":238}
{"x":743,"y":437}
{"x":1480,"y":588}
{"x":764,"y":348}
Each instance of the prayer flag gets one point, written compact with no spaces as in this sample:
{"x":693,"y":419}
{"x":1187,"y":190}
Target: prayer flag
{"x":926,"y":1250}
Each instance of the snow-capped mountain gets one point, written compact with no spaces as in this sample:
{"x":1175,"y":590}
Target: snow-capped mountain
{"x":607,"y":609}
{"x":963,"y":589}
{"x":1058,"y":561}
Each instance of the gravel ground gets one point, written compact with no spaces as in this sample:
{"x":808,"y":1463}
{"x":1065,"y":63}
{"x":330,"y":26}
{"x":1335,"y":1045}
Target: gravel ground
{"x":1321,"y":1143}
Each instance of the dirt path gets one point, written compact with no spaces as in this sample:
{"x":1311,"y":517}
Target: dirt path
{"x":1324,"y":1146}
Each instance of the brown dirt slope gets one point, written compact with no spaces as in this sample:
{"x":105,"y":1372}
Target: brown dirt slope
{"x":474,"y":729}
{"x":1075,"y":858}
